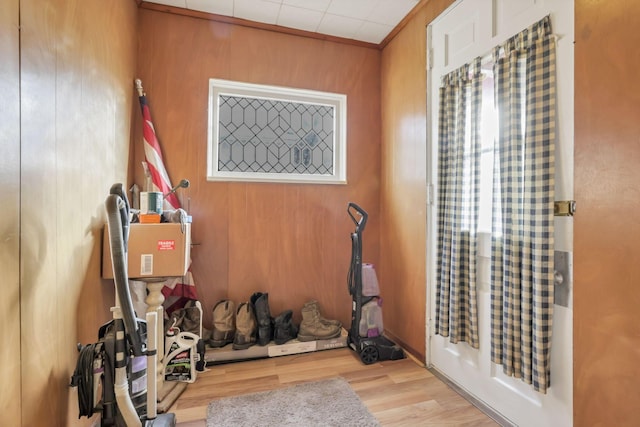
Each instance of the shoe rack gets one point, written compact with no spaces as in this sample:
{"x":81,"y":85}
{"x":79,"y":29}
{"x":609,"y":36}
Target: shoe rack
{"x":227,"y":354}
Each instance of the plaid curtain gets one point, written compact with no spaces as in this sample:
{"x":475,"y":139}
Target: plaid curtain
{"x":523,"y":231}
{"x":458,"y":200}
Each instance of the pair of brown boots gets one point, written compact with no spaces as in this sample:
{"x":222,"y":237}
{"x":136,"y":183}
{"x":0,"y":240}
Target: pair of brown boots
{"x":315,"y":327}
{"x":250,"y":324}
{"x":231,"y":325}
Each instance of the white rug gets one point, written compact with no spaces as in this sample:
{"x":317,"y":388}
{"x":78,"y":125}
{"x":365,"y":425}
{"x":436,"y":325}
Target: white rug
{"x":320,"y":403}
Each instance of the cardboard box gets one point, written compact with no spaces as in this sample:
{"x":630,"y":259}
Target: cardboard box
{"x":155,"y":250}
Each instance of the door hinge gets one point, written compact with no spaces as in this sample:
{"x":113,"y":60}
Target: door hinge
{"x":430,"y":59}
{"x":430,"y":194}
{"x":431,"y":329}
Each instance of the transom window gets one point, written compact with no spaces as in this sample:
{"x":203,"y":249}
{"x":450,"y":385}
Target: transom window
{"x":268,"y":133}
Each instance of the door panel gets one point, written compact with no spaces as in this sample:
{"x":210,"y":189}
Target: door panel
{"x":468,"y":29}
{"x":511,"y":16}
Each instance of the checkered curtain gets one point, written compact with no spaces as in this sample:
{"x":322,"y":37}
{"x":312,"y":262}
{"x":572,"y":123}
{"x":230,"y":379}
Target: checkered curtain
{"x":523,"y":231}
{"x":458,"y":199}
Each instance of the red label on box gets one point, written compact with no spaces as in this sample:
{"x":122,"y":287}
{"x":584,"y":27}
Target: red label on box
{"x":166,"y":245}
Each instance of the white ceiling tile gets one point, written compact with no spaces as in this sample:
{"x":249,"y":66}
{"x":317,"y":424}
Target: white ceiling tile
{"x":373,"y":32}
{"x":256,"y":10}
{"x":358,"y":9}
{"x":339,"y":26}
{"x":219,"y":7}
{"x":297,"y":17}
{"x":391,"y":12}
{"x":354,"y":19}
{"x":176,"y":3}
{"x":320,"y":5}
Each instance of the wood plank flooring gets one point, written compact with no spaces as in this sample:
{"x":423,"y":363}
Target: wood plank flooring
{"x":398,"y":393}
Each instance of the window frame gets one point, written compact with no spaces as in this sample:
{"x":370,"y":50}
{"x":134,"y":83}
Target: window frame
{"x":252,"y":91}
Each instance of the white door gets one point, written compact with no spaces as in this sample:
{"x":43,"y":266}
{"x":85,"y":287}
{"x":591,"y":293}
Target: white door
{"x":468,"y":29}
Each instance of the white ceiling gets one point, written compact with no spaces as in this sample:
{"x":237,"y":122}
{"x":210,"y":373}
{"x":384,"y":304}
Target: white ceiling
{"x":365,"y":20}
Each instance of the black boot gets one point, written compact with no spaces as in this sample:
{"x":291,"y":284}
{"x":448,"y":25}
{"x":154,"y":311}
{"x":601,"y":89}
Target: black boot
{"x":260,"y":303}
{"x":284,"y":329}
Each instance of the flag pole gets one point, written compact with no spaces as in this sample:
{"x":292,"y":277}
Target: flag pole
{"x":167,"y":392}
{"x":139,"y":87}
{"x":153,"y":154}
{"x":156,"y":172}
{"x":147,"y":174}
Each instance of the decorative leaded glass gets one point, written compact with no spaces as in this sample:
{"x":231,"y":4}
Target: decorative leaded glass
{"x":267,"y":133}
{"x":262,"y":135}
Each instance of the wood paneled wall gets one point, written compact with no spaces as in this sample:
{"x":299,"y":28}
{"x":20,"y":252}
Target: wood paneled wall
{"x":402,"y":267}
{"x":77,"y":63}
{"x":607,"y":227}
{"x":289,"y":240}
{"x":10,"y":404}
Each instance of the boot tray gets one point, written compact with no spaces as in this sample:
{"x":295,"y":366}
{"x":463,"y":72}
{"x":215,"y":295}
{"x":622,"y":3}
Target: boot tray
{"x":228,"y":354}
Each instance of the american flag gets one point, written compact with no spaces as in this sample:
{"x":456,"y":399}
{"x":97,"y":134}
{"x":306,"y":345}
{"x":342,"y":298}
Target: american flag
{"x":176,"y":291}
{"x":153,"y":155}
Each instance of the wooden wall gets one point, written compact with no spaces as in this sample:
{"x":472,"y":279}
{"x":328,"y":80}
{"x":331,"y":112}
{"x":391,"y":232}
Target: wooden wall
{"x":607,"y":226}
{"x":76,"y":105}
{"x":77,"y":62}
{"x":289,"y":240}
{"x":404,"y":169}
{"x":10,"y":404}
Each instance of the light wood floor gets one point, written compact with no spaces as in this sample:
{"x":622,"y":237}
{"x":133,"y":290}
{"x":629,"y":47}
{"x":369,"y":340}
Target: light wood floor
{"x":398,"y":393}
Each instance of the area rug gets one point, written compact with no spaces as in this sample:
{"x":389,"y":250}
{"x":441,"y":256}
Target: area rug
{"x":319,"y":403}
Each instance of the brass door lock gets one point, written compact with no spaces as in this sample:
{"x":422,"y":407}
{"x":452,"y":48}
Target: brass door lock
{"x":564,"y":208}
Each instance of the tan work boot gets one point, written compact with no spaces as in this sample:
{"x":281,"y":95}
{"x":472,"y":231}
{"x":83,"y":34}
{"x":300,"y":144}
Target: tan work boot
{"x":246,"y":327}
{"x":312,"y":327}
{"x":224,"y":323}
{"x":329,"y":322}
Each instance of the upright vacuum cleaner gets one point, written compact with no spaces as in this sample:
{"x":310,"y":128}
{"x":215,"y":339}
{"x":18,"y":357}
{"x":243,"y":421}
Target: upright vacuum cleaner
{"x":116,"y":377}
{"x":366,"y":332}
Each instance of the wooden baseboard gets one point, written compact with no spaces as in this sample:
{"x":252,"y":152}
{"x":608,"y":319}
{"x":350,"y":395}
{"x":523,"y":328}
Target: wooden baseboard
{"x":171,"y":391}
{"x":415,"y":355}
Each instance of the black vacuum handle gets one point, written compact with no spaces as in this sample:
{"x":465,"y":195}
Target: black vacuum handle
{"x":360,"y":223}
